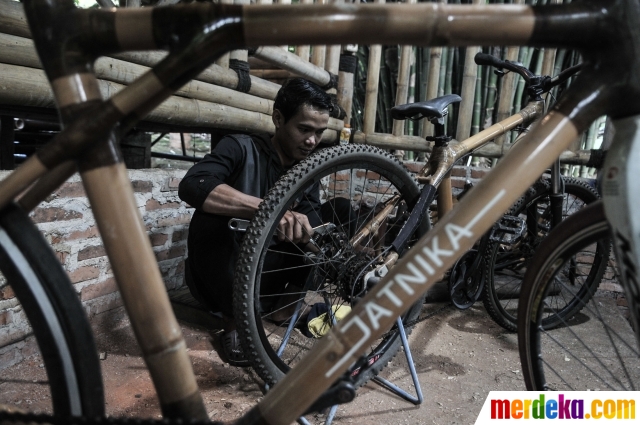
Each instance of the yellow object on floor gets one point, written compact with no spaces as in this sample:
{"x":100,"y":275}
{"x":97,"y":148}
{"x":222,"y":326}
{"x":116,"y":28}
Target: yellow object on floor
{"x":319,"y":326}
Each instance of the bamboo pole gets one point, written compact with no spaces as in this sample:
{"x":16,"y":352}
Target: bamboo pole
{"x":467,"y":92}
{"x":284,"y":47}
{"x":294,"y":64}
{"x":13,"y":22}
{"x":215,"y":74}
{"x":549,"y":59}
{"x":345,"y":85}
{"x":304,"y":50}
{"x":490,"y":97}
{"x":12,"y":19}
{"x":402,"y":90}
{"x":505,"y":103}
{"x":332,"y":55}
{"x":432,"y":85}
{"x":223,"y":60}
{"x":465,"y":118}
{"x":20,"y":51}
{"x":371,"y":93}
{"x":271,"y":74}
{"x":489,"y":150}
{"x":31,"y":88}
{"x":318,"y":52}
{"x":239,"y":55}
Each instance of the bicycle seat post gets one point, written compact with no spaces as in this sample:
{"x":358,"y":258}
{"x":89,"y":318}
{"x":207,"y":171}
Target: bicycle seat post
{"x":440,"y":137}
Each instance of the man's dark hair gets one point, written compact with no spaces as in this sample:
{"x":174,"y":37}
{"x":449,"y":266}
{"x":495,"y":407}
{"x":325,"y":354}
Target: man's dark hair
{"x":296,"y":92}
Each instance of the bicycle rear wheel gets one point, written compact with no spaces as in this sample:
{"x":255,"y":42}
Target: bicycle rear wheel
{"x":56,"y":316}
{"x":593,"y":350}
{"x":354,"y":183}
{"x":508,"y":261}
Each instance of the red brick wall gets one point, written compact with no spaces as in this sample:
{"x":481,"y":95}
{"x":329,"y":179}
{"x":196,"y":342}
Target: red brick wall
{"x":67,"y":223}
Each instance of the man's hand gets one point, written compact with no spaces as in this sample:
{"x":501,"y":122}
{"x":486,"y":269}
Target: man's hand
{"x":294,"y":227}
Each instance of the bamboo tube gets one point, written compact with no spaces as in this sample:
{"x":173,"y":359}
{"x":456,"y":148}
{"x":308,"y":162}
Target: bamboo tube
{"x":386,"y":98}
{"x":293,"y":63}
{"x":318,"y":55}
{"x":432,"y":86}
{"x":332,"y":59}
{"x":215,"y":74}
{"x":402,"y":90}
{"x":138,"y":276}
{"x":489,"y":150}
{"x":223,"y":60}
{"x":332,"y":55}
{"x":12,"y":19}
{"x":271,"y":74}
{"x":467,"y":92}
{"x":284,"y":47}
{"x":505,"y":103}
{"x":13,"y":22}
{"x":371,"y":93}
{"x":31,"y":88}
{"x":304,"y":50}
{"x":525,"y":59}
{"x":443,"y":71}
{"x":345,"y":91}
{"x":319,"y":52}
{"x":491,"y":96}
{"x":240,"y":55}
{"x":22,"y":53}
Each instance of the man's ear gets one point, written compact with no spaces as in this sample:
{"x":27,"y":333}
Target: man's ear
{"x":277,"y":118}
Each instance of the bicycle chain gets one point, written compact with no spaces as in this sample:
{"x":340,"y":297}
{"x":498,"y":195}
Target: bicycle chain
{"x":41,"y":418}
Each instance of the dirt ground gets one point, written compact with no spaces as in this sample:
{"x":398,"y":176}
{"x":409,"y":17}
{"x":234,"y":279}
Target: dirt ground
{"x":459,"y":355}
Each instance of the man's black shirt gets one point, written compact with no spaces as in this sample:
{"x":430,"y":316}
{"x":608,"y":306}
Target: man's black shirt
{"x":250,"y":165}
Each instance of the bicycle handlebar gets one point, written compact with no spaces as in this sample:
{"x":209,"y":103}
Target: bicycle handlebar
{"x":563,"y":76}
{"x":485,"y":59}
{"x":538,"y":84}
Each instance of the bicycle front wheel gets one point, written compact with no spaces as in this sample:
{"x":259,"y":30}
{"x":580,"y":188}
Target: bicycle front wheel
{"x":365,"y":196}
{"x":508,"y":260}
{"x":593,"y":350}
{"x":56,"y":316}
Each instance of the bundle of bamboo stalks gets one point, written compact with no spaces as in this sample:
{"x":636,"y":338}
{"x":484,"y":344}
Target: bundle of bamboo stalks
{"x":208,"y":101}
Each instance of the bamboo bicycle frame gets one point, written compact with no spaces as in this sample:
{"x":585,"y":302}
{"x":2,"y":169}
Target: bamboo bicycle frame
{"x":437,"y":170}
{"x":68,"y":40}
{"x":442,"y":159}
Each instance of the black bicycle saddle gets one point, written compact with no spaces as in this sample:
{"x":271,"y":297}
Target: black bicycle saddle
{"x":434,"y":108}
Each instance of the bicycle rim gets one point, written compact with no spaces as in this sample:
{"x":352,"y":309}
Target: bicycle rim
{"x":56,"y":316}
{"x":592,"y":350}
{"x":363,"y":178}
{"x":507,"y":262}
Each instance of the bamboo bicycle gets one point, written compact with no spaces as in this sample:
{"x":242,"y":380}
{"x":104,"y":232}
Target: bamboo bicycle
{"x":68,"y":40}
{"x":349,"y":257}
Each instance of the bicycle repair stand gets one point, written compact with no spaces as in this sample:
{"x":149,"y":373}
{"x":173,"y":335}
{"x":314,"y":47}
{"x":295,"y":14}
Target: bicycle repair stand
{"x":417,"y":399}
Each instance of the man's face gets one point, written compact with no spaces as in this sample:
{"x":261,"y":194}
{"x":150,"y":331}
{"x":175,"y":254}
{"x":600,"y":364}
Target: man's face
{"x":298,"y":137}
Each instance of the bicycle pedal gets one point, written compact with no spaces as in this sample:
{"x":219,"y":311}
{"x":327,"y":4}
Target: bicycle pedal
{"x":509,"y":229}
